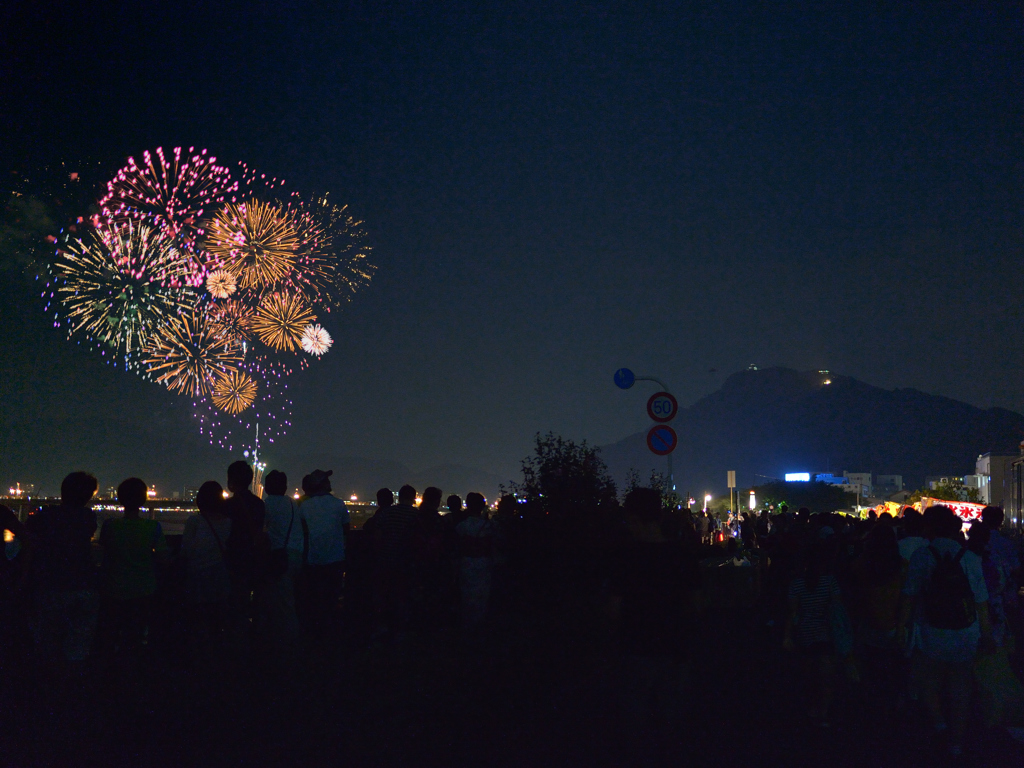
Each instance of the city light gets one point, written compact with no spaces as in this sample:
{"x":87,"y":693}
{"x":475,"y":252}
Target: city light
{"x":753,"y":502}
{"x":151,"y":492}
{"x":798,"y":477}
{"x":353,"y":497}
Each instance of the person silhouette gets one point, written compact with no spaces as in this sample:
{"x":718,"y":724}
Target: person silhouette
{"x":66,"y":603}
{"x":132,"y":548}
{"x":207,"y":578}
{"x":326,"y":523}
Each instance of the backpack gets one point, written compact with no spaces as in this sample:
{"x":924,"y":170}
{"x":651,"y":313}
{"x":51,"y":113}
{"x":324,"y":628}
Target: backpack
{"x":948,"y":598}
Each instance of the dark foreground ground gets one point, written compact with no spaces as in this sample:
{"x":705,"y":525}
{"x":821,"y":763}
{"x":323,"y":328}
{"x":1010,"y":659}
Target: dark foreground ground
{"x":538,"y":689}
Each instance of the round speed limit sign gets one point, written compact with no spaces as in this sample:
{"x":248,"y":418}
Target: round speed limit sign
{"x":662,"y":407}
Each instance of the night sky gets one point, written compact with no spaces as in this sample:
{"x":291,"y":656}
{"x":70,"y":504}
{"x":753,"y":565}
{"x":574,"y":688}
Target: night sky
{"x":553,"y":191}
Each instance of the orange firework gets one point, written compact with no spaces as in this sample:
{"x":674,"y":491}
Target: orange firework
{"x":234,"y":391}
{"x":221,"y":283}
{"x":231,"y":320}
{"x":280,"y":321}
{"x":188,"y":355}
{"x":256,"y":242}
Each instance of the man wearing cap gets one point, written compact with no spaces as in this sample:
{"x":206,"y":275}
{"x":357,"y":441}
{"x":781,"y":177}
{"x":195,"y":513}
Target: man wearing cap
{"x":325,"y":522}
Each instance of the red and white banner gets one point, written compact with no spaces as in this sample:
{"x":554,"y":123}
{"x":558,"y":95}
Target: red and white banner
{"x":965,"y":510}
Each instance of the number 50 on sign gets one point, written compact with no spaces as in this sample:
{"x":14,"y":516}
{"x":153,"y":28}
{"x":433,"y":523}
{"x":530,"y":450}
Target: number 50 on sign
{"x":662,"y":407}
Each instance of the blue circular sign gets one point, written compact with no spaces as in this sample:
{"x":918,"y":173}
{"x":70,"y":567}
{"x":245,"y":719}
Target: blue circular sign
{"x":662,"y":439}
{"x":624,"y":378}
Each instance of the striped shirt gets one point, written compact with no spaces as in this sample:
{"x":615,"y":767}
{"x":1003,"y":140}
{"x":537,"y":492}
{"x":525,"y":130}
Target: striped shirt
{"x":812,"y":619}
{"x":394,"y":529}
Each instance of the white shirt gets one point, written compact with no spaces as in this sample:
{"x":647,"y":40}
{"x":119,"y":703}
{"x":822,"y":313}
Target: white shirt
{"x":325,"y":518}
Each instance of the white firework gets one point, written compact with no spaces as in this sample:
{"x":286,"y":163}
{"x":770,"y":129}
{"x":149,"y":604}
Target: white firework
{"x":316,"y":340}
{"x":221,"y":284}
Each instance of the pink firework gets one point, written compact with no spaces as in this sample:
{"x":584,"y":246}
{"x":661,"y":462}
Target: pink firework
{"x":172,"y":192}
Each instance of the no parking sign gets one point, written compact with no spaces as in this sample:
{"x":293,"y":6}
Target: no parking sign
{"x":662,"y":439}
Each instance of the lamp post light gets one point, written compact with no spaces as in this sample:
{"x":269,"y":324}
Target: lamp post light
{"x":707,"y":501}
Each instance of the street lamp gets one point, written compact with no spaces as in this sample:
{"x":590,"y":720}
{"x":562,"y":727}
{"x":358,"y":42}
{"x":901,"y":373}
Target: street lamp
{"x":707,"y":500}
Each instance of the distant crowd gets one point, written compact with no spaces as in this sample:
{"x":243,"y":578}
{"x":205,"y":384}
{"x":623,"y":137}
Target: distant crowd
{"x":247,"y":570}
{"x":903,"y":612}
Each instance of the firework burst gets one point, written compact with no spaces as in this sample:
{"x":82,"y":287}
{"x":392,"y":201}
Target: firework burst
{"x":341,"y":265}
{"x":220,"y":284}
{"x":271,"y":408}
{"x":188,"y":265}
{"x":280,"y":321}
{"x":316,"y":340}
{"x":119,"y":287}
{"x":256,"y":242}
{"x":233,"y":391}
{"x":189,"y":355}
{"x":232,"y":320}
{"x":170,"y":191}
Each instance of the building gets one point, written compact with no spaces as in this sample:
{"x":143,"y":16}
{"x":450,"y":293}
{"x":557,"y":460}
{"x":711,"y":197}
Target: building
{"x":887,"y":485}
{"x":862,"y":479}
{"x":995,"y":471}
{"x":975,"y":482}
{"x":1013,"y":501}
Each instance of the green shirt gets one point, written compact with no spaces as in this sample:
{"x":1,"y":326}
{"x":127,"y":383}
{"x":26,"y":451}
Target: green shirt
{"x":129,"y":556}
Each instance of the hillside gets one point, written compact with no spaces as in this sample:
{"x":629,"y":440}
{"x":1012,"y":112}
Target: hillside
{"x":765,"y":423}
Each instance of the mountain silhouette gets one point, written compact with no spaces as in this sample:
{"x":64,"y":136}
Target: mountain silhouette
{"x":765,"y":423}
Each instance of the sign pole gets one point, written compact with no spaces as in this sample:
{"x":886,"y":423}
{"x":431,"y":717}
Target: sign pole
{"x":662,"y":408}
{"x":731,"y":480}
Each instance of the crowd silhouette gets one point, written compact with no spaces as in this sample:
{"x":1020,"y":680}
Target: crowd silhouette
{"x":847,"y":621}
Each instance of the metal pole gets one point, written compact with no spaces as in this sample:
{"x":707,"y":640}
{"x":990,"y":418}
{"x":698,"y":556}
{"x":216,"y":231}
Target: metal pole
{"x":664,"y":386}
